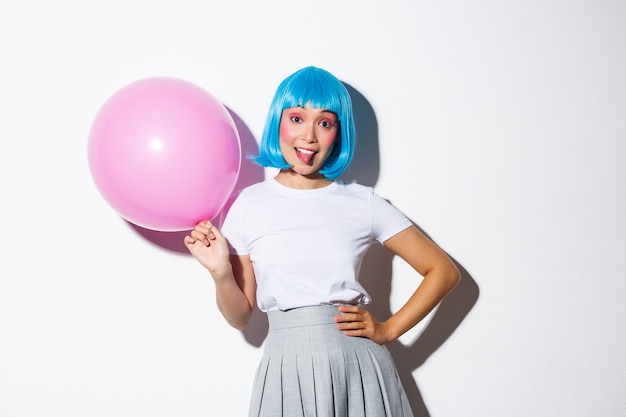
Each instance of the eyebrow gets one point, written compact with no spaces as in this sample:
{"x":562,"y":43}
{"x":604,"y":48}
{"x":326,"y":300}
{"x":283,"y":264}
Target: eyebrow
{"x":323,"y":110}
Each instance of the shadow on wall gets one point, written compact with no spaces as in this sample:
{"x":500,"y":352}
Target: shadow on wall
{"x":365,"y":167}
{"x":376,"y":271}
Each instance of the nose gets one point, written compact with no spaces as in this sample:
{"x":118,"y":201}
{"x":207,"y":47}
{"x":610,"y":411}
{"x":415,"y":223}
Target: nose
{"x":308,"y":133}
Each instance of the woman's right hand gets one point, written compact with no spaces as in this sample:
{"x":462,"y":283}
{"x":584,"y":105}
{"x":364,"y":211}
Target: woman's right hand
{"x":207,"y":244}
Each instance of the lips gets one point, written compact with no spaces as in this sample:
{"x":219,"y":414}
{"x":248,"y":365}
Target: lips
{"x":305,"y":155}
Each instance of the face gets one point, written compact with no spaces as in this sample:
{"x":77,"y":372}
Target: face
{"x":307,"y":136}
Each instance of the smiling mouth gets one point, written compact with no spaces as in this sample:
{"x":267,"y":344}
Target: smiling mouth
{"x":305,"y":155}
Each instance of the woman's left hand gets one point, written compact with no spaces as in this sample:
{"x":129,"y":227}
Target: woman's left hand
{"x":357,"y":321}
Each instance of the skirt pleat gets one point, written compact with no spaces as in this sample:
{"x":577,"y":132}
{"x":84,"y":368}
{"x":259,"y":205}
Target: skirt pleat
{"x":311,"y":369}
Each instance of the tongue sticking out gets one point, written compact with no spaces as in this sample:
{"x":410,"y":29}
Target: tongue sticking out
{"x":305,"y":155}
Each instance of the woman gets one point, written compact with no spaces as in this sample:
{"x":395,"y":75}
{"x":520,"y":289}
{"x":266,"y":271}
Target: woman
{"x":293,"y":245}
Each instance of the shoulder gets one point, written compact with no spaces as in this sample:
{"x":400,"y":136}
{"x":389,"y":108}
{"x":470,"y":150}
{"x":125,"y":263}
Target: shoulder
{"x":262,"y":185}
{"x":366,"y":195}
{"x":353,"y":188}
{"x":240,"y":200}
{"x":253,"y":191}
{"x":361,"y":192}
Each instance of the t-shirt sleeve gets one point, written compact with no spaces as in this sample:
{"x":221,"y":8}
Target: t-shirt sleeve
{"x":387,"y":220}
{"x":232,"y":228}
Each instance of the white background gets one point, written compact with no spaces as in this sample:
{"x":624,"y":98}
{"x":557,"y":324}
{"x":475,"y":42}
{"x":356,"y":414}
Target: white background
{"x":498,"y":127}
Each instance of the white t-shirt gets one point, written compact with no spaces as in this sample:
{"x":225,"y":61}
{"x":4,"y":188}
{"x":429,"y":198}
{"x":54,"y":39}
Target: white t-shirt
{"x":306,"y":246}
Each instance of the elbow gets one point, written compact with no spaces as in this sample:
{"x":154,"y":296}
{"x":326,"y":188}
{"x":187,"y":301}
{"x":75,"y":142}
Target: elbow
{"x":239,"y":326}
{"x":239,"y":323}
{"x":447,"y":276}
{"x":239,"y":318}
{"x":453,"y":277}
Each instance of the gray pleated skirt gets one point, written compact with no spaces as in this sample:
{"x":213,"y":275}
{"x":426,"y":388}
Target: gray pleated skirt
{"x":311,"y":369}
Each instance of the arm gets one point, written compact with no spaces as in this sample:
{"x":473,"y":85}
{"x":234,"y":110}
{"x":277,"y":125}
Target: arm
{"x":440,"y":276}
{"x":235,"y":284}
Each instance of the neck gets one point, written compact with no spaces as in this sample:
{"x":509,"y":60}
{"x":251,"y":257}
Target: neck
{"x":291,"y":179}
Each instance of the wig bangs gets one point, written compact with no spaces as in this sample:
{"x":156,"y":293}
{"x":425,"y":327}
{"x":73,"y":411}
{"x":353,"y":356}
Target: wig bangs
{"x":313,"y":89}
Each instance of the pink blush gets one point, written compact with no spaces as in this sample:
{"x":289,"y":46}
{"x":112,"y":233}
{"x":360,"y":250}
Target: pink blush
{"x":283,"y":132}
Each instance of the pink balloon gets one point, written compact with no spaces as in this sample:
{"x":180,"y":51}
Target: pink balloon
{"x":164,"y":153}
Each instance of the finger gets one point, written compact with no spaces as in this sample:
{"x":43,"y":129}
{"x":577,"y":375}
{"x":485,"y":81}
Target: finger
{"x":199,"y":236}
{"x":216,"y":233}
{"x":353,"y":325}
{"x":203,"y":228}
{"x":207,"y":229}
{"x":347,"y":318}
{"x":356,"y":333}
{"x":349,"y":309}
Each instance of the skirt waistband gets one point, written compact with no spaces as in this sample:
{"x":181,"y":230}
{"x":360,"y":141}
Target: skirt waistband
{"x":303,"y":316}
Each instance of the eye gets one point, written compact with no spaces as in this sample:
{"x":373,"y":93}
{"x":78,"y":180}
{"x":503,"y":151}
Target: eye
{"x":326,"y":123}
{"x":296,"y":119}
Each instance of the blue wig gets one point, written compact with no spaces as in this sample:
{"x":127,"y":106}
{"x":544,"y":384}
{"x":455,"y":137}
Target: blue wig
{"x":318,"y":89}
